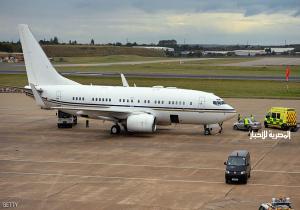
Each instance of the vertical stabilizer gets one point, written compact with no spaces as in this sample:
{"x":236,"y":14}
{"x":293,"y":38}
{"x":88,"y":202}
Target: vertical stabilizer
{"x":38,"y":67}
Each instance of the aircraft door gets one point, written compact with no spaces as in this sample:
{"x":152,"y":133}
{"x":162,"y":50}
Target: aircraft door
{"x":201,"y":102}
{"x":58,"y":95}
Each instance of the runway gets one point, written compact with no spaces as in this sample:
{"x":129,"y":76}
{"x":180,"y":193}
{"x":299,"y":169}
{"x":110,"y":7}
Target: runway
{"x":43,"y":167}
{"x":163,"y":75}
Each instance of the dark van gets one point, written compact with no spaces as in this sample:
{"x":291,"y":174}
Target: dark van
{"x":238,"y":167}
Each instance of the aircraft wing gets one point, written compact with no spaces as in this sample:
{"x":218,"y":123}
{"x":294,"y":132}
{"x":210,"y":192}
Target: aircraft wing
{"x":105,"y":113}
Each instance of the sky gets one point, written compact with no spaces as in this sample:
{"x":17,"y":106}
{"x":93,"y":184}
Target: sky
{"x":262,"y":22}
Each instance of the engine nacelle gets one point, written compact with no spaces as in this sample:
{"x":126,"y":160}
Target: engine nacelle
{"x":141,"y":123}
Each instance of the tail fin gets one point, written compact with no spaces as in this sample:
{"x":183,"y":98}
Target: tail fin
{"x":39,"y":69}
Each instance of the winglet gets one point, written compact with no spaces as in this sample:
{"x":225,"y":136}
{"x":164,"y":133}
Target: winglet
{"x":38,"y":99}
{"x":124,"y":81}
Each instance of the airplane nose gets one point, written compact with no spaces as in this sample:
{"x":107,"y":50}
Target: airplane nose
{"x":230,"y":112}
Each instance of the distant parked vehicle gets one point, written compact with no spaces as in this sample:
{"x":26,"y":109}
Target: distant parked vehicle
{"x":253,"y":125}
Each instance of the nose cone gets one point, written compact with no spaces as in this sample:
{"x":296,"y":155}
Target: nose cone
{"x":229,"y":112}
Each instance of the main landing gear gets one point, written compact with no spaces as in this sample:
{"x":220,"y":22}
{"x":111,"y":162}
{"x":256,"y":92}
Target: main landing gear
{"x":116,"y":129}
{"x":207,"y":130}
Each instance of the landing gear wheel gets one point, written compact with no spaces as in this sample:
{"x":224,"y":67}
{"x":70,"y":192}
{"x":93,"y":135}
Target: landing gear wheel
{"x":207,"y":132}
{"x":74,"y":120}
{"x":115,"y":129}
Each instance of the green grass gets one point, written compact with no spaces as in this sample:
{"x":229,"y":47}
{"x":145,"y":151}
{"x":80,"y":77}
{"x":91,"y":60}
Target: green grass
{"x":103,"y":59}
{"x":187,"y":68}
{"x":97,"y":50}
{"x":222,"y":88}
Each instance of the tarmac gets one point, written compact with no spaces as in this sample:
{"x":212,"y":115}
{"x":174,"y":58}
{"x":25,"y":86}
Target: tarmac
{"x":268,"y":61}
{"x":43,"y":167}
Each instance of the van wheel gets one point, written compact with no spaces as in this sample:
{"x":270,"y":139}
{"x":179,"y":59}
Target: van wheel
{"x":246,"y":180}
{"x":227,"y":181}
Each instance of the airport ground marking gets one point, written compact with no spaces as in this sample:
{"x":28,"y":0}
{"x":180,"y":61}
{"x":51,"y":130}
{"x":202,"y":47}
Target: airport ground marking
{"x":143,"y":179}
{"x":145,"y":165}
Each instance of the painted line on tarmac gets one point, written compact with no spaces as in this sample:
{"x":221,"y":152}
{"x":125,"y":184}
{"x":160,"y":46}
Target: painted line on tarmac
{"x":142,"y":179}
{"x":145,"y":165}
{"x":114,"y":164}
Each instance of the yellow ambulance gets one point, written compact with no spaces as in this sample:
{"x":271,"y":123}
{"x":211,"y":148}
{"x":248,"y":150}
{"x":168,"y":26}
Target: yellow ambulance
{"x":281,"y":117}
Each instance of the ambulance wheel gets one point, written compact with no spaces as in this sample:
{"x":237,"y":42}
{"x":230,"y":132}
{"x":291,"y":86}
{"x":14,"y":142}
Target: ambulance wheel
{"x":246,"y":180}
{"x":294,"y":129}
{"x":115,"y":129}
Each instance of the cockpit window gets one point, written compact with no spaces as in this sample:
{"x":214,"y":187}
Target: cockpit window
{"x":218,"y":102}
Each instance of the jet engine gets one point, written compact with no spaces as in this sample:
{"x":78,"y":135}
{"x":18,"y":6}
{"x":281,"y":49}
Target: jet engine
{"x":141,"y":123}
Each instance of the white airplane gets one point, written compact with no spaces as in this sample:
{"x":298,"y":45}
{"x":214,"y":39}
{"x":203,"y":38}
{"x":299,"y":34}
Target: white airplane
{"x":136,"y":109}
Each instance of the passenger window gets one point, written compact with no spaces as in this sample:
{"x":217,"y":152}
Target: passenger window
{"x":131,"y":101}
{"x":92,"y":99}
{"x":148,"y":101}
{"x":191,"y":103}
{"x":138,"y":101}
{"x":127,"y":100}
{"x":145,"y":101}
{"x":169,"y":102}
{"x":162,"y":102}
{"x":183,"y":103}
{"x":278,"y":115}
{"x":172,"y":102}
{"x":110,"y":100}
{"x":83,"y":98}
{"x":120,"y":100}
{"x":106,"y":99}
{"x":158,"y":102}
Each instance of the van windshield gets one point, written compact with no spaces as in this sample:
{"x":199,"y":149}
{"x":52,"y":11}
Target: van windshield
{"x":236,"y":161}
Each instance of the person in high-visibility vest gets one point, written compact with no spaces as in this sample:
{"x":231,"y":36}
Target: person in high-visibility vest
{"x":252,"y":118}
{"x":239,"y":117}
{"x":246,"y":122}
